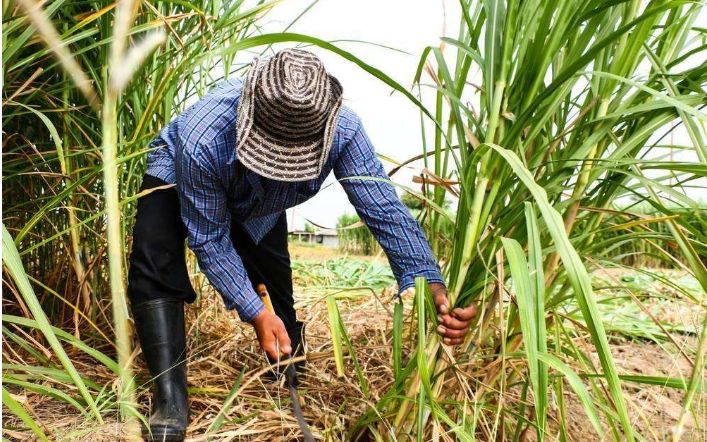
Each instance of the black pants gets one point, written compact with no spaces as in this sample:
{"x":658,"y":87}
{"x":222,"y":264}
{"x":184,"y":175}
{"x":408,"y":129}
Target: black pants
{"x":158,"y":266}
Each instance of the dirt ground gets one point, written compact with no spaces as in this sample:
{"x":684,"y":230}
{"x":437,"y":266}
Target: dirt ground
{"x":654,"y":410}
{"x":223,"y":353}
{"x":313,"y":252}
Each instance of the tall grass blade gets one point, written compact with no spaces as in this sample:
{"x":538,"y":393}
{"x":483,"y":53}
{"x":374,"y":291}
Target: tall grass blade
{"x":16,"y":408}
{"x":226,"y":407}
{"x":13,"y":265}
{"x":45,"y":390}
{"x":525,"y":295}
{"x":48,"y":32}
{"x":341,"y":336}
{"x":578,"y":387}
{"x":65,"y":337}
{"x":579,"y":279}
{"x":537,"y":277}
{"x":336,"y":339}
{"x":397,"y":340}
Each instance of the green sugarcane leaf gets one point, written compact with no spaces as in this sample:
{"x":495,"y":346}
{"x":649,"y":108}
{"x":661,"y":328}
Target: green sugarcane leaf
{"x":578,"y":386}
{"x":357,"y":367}
{"x":537,"y":276}
{"x":579,"y":279}
{"x":16,"y":408}
{"x":662,"y":381}
{"x":52,"y":131}
{"x":528,"y":320}
{"x":226,"y":407}
{"x":26,"y":346}
{"x":335,"y":329}
{"x":13,"y":264}
{"x":677,"y":103}
{"x":46,"y":391}
{"x":66,"y":337}
{"x":54,"y":374}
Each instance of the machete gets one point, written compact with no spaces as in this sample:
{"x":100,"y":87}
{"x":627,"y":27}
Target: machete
{"x":290,"y":376}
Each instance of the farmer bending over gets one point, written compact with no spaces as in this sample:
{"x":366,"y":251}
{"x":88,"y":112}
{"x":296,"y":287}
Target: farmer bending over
{"x":239,"y":157}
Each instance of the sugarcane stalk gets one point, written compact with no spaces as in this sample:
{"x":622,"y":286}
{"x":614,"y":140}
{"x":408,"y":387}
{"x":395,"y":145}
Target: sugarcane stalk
{"x":470,"y":238}
{"x":696,"y":379}
{"x":433,"y":345}
{"x":76,"y":259}
{"x":580,"y":186}
{"x":471,"y":235}
{"x":126,"y":387}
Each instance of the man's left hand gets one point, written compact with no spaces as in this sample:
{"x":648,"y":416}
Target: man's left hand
{"x":453,"y":325}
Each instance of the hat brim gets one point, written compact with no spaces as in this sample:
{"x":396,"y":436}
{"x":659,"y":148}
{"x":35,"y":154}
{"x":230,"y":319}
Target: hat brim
{"x":257,"y":154}
{"x":272,"y":156}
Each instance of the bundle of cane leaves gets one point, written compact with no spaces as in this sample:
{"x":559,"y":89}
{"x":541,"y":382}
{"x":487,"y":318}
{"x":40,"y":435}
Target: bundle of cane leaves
{"x":547,"y":114}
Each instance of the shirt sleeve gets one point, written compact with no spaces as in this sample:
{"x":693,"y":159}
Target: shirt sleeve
{"x":380,"y":208}
{"x":160,"y":159}
{"x":204,"y":211}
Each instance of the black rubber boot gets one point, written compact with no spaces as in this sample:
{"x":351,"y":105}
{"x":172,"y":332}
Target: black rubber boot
{"x":160,"y":327}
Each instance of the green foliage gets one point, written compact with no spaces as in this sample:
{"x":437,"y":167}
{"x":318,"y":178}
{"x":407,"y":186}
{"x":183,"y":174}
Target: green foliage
{"x":342,"y":273}
{"x":565,"y":106}
{"x":16,"y":408}
{"x":53,"y":168}
{"x":413,"y":203}
{"x":637,"y":235}
{"x":546,"y":117}
{"x":354,"y":237}
{"x":11,"y":261}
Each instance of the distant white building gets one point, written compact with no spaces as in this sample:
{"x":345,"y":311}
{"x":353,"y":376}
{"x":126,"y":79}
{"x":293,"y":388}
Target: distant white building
{"x":325,"y":237}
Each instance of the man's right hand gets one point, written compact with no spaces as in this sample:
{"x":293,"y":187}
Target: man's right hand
{"x":272,"y":334}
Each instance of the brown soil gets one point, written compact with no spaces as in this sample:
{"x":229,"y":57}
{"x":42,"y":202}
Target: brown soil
{"x":302,"y":251}
{"x":654,"y":410}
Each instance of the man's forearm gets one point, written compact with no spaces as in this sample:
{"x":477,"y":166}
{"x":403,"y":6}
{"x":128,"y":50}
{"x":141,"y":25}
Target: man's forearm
{"x":225,"y":271}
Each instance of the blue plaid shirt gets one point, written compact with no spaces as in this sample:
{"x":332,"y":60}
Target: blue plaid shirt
{"x":196,"y":151}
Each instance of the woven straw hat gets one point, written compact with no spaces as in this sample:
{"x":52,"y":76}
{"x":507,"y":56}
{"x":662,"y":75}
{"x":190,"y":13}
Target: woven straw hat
{"x":287,"y":116}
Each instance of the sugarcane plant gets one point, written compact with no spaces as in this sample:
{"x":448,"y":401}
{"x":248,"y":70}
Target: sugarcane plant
{"x":67,"y":70}
{"x":546,"y":114}
{"x":545,"y":118}
{"x":87,"y":86}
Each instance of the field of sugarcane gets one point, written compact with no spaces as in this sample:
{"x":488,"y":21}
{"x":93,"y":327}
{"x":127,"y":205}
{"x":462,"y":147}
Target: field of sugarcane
{"x":548,"y":182}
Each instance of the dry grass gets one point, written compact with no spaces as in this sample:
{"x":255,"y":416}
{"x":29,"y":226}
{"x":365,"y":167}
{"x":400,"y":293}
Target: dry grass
{"x":221,"y":347}
{"x":303,"y":251}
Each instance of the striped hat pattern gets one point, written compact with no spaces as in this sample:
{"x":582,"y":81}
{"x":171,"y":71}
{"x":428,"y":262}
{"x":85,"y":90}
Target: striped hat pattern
{"x":287,"y":116}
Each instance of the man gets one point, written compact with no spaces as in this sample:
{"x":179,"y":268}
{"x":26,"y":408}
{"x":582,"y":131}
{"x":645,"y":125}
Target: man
{"x":239,"y":157}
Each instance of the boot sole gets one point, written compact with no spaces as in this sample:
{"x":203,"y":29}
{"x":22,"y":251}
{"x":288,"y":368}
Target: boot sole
{"x":164,"y":435}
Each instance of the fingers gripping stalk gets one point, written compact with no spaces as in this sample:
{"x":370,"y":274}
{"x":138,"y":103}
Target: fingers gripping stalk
{"x":453,"y":325}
